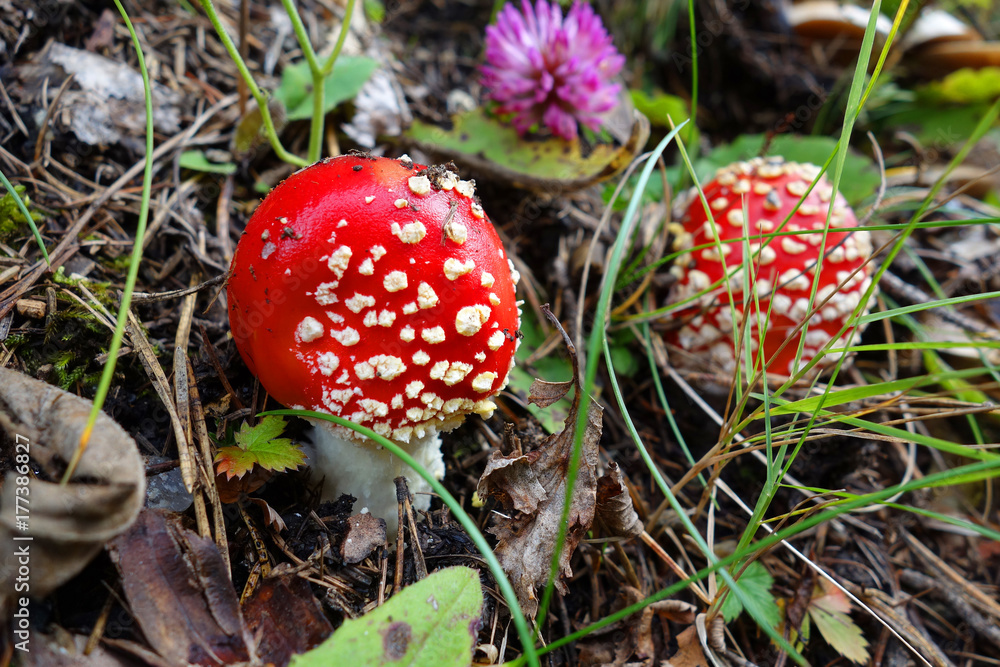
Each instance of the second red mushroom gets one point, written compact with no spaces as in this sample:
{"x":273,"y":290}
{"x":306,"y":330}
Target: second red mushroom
{"x":749,"y":202}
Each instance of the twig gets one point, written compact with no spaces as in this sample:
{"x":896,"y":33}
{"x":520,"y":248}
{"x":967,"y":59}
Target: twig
{"x":986,"y":603}
{"x":673,"y":565}
{"x":403,"y":497}
{"x":43,"y":127}
{"x":13,"y":109}
{"x":955,"y":601}
{"x":162,"y":387}
{"x":904,"y":291}
{"x":153,"y":297}
{"x":222,"y":219}
{"x":205,"y":448}
{"x":219,"y":371}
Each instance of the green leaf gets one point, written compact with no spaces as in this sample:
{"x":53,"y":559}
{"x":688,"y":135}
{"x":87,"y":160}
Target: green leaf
{"x":268,"y":429}
{"x":660,"y":106}
{"x":756,"y":581}
{"x":432,"y":623}
{"x":259,"y":445}
{"x":943,"y":128}
{"x":234,"y":462}
{"x":864,"y":177}
{"x":829,"y":614}
{"x":540,"y":163}
{"x":199,"y":162}
{"x":343,"y":83}
{"x":966,"y":86}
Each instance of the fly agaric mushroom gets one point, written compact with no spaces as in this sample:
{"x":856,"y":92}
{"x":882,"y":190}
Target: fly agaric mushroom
{"x":377,"y":290}
{"x":783,"y":266}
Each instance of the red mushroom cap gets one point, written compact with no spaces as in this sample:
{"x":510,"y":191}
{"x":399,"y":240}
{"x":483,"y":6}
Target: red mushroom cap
{"x":377,"y":290}
{"x":784,"y":265}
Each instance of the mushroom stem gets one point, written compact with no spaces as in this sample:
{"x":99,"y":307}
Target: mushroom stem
{"x":366,"y":471}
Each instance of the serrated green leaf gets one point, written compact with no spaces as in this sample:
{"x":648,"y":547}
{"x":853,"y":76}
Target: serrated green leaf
{"x":259,"y":445}
{"x":234,"y":462}
{"x":756,"y":581}
{"x":268,"y":428}
{"x":829,"y":615}
{"x":278,"y":455}
{"x":196,"y":160}
{"x":432,"y":623}
{"x":343,"y":83}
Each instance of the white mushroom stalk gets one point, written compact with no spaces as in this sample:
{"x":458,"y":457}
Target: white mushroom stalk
{"x":368,"y":470}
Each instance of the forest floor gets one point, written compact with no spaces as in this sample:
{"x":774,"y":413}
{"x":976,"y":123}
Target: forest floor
{"x":910,"y":575}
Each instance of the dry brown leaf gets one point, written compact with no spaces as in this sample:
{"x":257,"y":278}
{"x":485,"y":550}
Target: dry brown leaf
{"x":543,"y":393}
{"x":531,"y":490}
{"x":231,"y":490}
{"x":104,"y":106}
{"x":67,"y":524}
{"x":631,"y":638}
{"x":689,"y":652}
{"x":614,"y":505}
{"x":271,"y":516}
{"x":365,"y":533}
{"x":181,"y":594}
{"x":285,"y":617}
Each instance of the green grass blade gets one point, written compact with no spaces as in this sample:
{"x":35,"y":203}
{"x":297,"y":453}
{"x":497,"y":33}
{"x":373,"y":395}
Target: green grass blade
{"x":749,"y":604}
{"x":594,"y":346}
{"x":947,"y":446}
{"x":946,"y":478}
{"x":258,"y":94}
{"x":935,"y":479}
{"x":842,"y":396}
{"x":133,"y":269}
{"x":661,"y":395}
{"x":917,"y":307}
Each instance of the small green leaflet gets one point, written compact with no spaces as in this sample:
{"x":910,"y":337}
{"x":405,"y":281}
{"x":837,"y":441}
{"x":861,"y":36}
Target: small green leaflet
{"x":829,"y":613}
{"x":342,"y":84}
{"x":198,"y":161}
{"x":259,"y":445}
{"x":756,"y":582}
{"x":432,"y":623}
